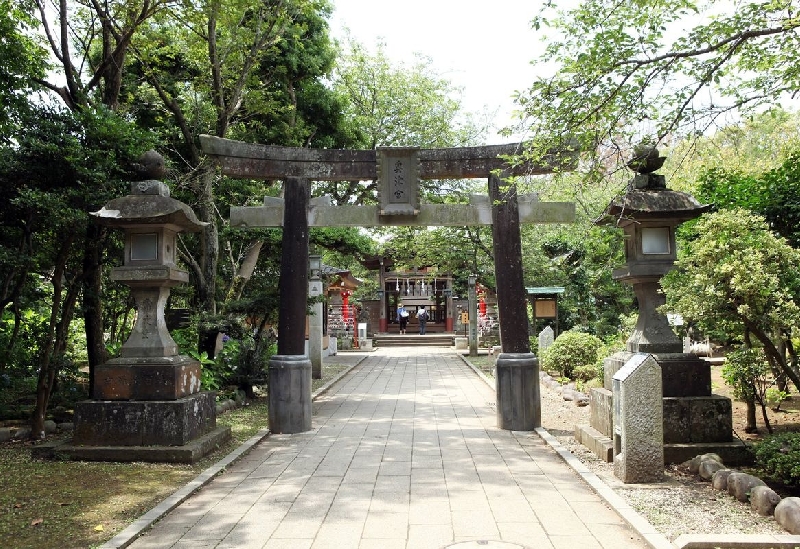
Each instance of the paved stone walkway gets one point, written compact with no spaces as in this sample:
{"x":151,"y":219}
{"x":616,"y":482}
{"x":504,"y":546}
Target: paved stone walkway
{"x":404,"y":453}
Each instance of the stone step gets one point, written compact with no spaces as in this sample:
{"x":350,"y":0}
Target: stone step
{"x":597,"y":442}
{"x":413,"y":340}
{"x":732,"y":453}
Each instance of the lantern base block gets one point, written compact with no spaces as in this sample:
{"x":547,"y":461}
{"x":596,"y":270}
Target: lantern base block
{"x":144,"y":423}
{"x":189,"y":453}
{"x":164,"y":378}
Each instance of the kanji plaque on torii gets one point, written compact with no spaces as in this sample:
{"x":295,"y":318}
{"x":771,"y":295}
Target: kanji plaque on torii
{"x":398,"y":181}
{"x":398,"y":171}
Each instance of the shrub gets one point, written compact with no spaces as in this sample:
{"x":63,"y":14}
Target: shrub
{"x":747,"y":371}
{"x":588,"y":371}
{"x":570,"y":351}
{"x":778,"y":456}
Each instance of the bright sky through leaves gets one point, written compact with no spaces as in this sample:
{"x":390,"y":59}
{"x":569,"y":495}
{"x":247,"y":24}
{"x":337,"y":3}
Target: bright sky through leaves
{"x":484,"y":48}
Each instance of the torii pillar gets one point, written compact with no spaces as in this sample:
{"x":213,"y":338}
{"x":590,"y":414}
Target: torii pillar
{"x":398,"y":171}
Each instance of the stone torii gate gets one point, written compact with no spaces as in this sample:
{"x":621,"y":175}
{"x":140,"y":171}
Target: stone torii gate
{"x":398,"y":171}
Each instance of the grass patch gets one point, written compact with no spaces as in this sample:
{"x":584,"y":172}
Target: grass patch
{"x":485,"y":363}
{"x":76,"y":505}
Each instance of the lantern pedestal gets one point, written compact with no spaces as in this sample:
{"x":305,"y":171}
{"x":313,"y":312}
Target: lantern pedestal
{"x":165,"y":378}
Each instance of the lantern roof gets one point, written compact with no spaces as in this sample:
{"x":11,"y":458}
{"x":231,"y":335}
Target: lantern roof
{"x":648,"y":197}
{"x":149,"y":202}
{"x":650,"y":204}
{"x":148,"y":209}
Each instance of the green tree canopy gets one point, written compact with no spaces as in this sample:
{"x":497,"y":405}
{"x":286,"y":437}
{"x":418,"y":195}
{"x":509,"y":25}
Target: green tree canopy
{"x":22,"y":62}
{"x":737,"y":279}
{"x":624,"y":71}
{"x":775,"y":195}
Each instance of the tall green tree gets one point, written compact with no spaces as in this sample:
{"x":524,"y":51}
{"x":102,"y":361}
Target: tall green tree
{"x":90,"y":42}
{"x":737,"y":279}
{"x":22,"y":61}
{"x":775,"y":195}
{"x":241,"y":69}
{"x":60,"y":165}
{"x":753,"y":146}
{"x":623,"y":71}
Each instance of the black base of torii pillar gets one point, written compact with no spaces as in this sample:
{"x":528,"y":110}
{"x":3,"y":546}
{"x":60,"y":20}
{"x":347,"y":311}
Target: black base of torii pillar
{"x":290,"y":369}
{"x":517,"y":377}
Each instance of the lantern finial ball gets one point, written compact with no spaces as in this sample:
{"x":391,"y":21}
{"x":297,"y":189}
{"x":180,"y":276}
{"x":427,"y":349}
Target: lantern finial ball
{"x":645,"y":159}
{"x":150,"y":166}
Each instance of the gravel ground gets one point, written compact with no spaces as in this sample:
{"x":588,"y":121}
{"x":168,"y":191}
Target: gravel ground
{"x":682,"y":504}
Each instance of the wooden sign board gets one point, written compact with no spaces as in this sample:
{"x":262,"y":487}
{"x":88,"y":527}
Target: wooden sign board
{"x":545,"y":308}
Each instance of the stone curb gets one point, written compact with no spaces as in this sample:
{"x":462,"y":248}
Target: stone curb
{"x":737,"y":541}
{"x":653,"y":537}
{"x":137,"y":527}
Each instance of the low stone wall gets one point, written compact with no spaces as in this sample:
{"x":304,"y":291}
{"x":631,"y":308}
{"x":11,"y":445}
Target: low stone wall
{"x":23,"y":432}
{"x":748,"y":489}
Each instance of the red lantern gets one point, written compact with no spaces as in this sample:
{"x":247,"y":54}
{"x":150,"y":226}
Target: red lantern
{"x":345,"y":306}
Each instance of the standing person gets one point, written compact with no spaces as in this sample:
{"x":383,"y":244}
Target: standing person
{"x":402,"y":317}
{"x":422,"y":316}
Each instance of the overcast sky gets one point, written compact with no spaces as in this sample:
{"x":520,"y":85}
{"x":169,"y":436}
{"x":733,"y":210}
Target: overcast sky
{"x":486,"y":50}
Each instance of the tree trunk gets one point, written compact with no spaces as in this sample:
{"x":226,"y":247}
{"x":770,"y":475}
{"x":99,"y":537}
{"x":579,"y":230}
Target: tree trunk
{"x":92,"y":304}
{"x":209,"y":242}
{"x":750,"y":426}
{"x":245,"y":270}
{"x":47,"y":367}
{"x":772,"y":352}
{"x":765,"y":417}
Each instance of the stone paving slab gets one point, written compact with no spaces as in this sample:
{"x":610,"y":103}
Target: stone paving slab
{"x":403,"y":452}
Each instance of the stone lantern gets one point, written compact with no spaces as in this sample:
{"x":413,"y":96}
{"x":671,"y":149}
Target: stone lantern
{"x":149,"y":397}
{"x":695,"y":421}
{"x":649,"y":213}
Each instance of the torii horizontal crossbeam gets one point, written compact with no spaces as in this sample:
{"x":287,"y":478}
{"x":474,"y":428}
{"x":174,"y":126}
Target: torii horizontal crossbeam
{"x":254,"y":161}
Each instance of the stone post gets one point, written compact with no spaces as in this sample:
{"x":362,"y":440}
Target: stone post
{"x":638,"y":421}
{"x":473,"y":316}
{"x":383,"y":322}
{"x":315,"y":323}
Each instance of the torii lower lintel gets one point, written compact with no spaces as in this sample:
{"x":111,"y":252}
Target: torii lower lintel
{"x":477,"y":212}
